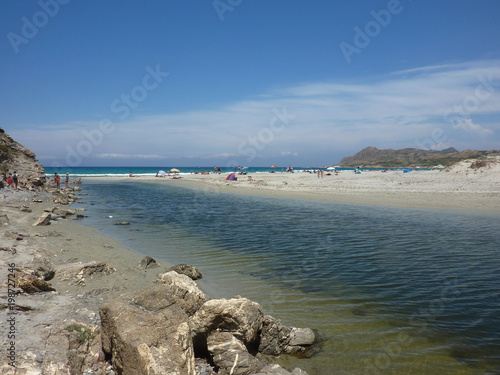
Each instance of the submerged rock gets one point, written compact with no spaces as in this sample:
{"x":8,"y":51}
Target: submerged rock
{"x":276,"y":338}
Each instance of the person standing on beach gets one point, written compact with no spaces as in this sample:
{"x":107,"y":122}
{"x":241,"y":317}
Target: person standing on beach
{"x":67,"y":179}
{"x":57,"y":180}
{"x":15,"y":179}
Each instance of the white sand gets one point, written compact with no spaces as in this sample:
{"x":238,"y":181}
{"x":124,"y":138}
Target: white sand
{"x":459,"y":187}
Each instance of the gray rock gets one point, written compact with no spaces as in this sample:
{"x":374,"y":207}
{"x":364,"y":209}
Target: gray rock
{"x":147,"y":262}
{"x":276,"y":338}
{"x":43,"y":219}
{"x":186,"y":269}
{"x":301,"y":336}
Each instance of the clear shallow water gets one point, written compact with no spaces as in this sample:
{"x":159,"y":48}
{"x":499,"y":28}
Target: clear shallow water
{"x":391,"y":291}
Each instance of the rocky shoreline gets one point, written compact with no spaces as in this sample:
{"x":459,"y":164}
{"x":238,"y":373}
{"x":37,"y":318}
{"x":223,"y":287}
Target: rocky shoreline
{"x":81,"y":303}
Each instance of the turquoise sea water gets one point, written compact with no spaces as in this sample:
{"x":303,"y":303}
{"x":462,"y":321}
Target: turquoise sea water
{"x":82,"y":172}
{"x":391,"y":291}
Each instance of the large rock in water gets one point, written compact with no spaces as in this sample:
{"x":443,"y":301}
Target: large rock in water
{"x":238,"y":316}
{"x":147,"y":332}
{"x":276,"y":338}
{"x":15,"y":157}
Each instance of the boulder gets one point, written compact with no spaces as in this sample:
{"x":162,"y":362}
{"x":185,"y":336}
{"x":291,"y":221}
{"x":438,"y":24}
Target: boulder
{"x":276,"y":338}
{"x":43,"y":219}
{"x":301,"y":337}
{"x":230,"y":355}
{"x":147,"y":262}
{"x":147,"y":332}
{"x":185,"y":289}
{"x":239,"y":316}
{"x":186,"y":269}
{"x":63,"y":212}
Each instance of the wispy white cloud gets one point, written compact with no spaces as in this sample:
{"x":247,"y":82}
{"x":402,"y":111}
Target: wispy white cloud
{"x":319,"y":121}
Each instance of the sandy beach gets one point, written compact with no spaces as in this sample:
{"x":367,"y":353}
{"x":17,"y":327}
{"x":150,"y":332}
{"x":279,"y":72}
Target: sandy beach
{"x":457,"y":188}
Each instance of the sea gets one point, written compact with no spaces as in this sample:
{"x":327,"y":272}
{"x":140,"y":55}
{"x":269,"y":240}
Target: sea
{"x":388,"y":290}
{"x":82,"y":172}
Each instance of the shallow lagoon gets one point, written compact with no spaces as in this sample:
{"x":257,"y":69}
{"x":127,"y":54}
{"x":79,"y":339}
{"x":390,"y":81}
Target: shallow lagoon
{"x":391,"y":291}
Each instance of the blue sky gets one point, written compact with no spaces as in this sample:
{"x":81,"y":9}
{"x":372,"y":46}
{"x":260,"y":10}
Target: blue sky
{"x":247,"y":82}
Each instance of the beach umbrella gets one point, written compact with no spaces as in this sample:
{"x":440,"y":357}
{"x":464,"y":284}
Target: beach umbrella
{"x":162,"y":173}
{"x":174,"y":170}
{"x":330,"y":168}
{"x":273,"y":166}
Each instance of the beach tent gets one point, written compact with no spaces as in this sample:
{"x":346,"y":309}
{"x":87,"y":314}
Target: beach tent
{"x":162,"y":173}
{"x":406,"y":170}
{"x":231,"y":177}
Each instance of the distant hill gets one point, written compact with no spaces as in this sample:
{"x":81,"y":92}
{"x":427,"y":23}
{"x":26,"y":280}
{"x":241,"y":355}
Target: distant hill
{"x":373,"y":157}
{"x":15,"y":157}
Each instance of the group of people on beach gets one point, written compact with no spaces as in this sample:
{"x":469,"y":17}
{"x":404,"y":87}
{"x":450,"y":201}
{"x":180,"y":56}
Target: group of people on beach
{"x":12,"y":180}
{"x":57,"y":180}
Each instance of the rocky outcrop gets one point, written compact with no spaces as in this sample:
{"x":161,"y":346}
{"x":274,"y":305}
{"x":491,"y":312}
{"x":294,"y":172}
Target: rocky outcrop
{"x":16,"y":158}
{"x":373,"y":157}
{"x":161,"y":329}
